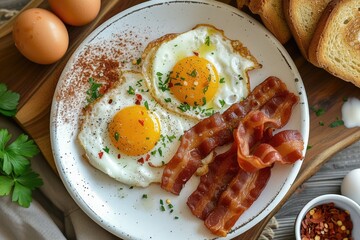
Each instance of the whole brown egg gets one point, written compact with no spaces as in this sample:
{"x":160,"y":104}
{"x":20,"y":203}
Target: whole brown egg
{"x":40,"y":36}
{"x":76,"y":12}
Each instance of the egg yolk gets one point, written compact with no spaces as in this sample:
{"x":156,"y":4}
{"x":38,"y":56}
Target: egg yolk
{"x":134,"y":130}
{"x":194,"y":80}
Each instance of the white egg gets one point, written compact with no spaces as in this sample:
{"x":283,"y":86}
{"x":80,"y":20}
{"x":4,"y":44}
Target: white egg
{"x":350,"y":186}
{"x":198,"y":72}
{"x":127,"y":135}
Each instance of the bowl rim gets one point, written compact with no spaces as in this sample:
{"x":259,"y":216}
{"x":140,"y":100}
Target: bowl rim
{"x":326,"y":198}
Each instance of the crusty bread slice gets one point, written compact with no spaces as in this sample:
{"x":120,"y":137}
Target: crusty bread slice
{"x":272,"y":15}
{"x":302,"y":17}
{"x":335,"y":45}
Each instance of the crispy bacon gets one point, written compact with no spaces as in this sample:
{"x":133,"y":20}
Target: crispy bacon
{"x":221,"y":171}
{"x":284,"y":147}
{"x":204,"y":137}
{"x":224,"y":175}
{"x":288,"y":144}
{"x":241,"y":193}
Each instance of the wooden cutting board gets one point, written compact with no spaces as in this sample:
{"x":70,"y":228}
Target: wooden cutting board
{"x":36,"y":85}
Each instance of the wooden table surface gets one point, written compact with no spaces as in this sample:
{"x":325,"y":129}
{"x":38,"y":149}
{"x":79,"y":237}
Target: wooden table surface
{"x":36,"y":85}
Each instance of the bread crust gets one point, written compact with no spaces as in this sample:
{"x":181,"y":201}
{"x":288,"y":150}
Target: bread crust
{"x":272,"y":15}
{"x":302,"y":26}
{"x":348,"y":70}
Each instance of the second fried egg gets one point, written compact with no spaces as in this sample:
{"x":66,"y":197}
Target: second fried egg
{"x":198,"y":72}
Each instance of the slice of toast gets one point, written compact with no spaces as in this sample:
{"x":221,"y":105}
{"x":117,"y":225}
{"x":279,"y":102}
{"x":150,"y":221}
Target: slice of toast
{"x":272,"y":15}
{"x":335,"y":45}
{"x":302,"y":17}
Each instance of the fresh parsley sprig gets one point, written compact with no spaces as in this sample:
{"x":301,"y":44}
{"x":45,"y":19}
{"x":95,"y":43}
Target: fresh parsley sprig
{"x":8,"y":101}
{"x":16,"y":176}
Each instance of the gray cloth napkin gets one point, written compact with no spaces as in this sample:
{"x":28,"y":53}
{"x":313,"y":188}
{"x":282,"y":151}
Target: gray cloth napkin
{"x":53,"y":214}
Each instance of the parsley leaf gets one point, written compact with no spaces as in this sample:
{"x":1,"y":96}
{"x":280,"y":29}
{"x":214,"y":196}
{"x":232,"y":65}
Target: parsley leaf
{"x":15,"y":155}
{"x":16,"y":175}
{"x":8,"y":101}
{"x":23,"y":185}
{"x":93,"y":92}
{"x":318,"y":111}
{"x":336,"y":123}
{"x":207,"y":41}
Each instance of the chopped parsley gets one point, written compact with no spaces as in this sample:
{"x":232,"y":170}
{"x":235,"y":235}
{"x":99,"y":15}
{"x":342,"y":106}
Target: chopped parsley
{"x":207,"y":41}
{"x":318,"y":111}
{"x":167,"y":99}
{"x":144,"y":196}
{"x":338,"y":122}
{"x":106,"y":149}
{"x":222,"y":102}
{"x":93,"y":92}
{"x":146,"y":104}
{"x":193,"y":73}
{"x":116,"y":136}
{"x":184,"y":107}
{"x":205,"y":89}
{"x":222,"y":80}
{"x":138,"y":83}
{"x":163,"y":85}
{"x":131,"y":90}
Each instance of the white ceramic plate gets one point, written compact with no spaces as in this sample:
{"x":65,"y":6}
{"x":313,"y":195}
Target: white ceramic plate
{"x":122,"y":38}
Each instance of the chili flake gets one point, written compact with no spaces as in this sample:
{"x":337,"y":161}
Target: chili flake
{"x":326,"y":221}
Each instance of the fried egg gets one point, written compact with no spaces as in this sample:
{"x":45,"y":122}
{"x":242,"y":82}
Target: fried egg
{"x":128,"y":135}
{"x":198,"y":72}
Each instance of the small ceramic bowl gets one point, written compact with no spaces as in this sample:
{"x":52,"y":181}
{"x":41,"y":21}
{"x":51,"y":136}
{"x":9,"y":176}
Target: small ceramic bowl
{"x":339,"y":201}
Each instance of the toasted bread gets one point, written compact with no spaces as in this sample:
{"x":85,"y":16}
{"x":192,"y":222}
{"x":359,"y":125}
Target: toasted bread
{"x":302,"y":17}
{"x":335,"y":45}
{"x":272,"y":15}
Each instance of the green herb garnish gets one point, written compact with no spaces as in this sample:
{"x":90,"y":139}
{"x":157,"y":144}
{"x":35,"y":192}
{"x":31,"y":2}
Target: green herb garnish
{"x":318,"y":111}
{"x":8,"y":101}
{"x":16,"y":175}
{"x":338,"y":122}
{"x":207,"y":41}
{"x":146,"y":104}
{"x":222,"y":102}
{"x":93,"y":92}
{"x":131,"y":90}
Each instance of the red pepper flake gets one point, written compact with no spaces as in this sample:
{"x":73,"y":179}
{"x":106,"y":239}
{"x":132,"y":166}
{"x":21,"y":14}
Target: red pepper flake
{"x":170,"y":84}
{"x":119,"y":156}
{"x":141,"y":160}
{"x":138,"y":99}
{"x":104,"y":87}
{"x":147,"y":157}
{"x":142,"y":112}
{"x":196,"y":53}
{"x":100,"y":154}
{"x":326,"y":222}
{"x":141,"y":122}
{"x":110,"y":101}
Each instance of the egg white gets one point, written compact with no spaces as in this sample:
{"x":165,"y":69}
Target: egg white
{"x":94,"y":139}
{"x":231,"y":60}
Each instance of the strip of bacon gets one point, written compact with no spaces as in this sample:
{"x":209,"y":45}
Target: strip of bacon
{"x":221,"y":171}
{"x":204,"y":137}
{"x":241,"y":193}
{"x":255,"y":127}
{"x":284,"y":147}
